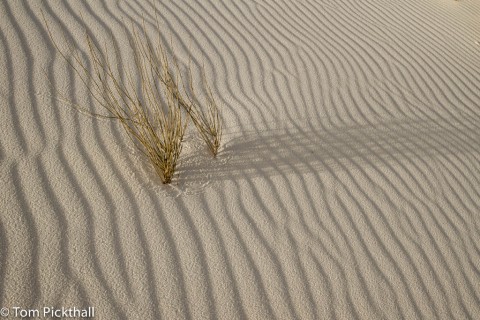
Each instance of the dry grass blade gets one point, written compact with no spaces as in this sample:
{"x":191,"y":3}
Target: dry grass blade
{"x":145,"y":104}
{"x":207,"y":122}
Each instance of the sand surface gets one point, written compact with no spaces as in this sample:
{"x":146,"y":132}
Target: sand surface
{"x":348,"y":186}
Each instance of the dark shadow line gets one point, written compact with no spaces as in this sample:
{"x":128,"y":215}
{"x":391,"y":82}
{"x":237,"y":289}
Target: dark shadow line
{"x":275,"y":264}
{"x":365,"y":251}
{"x":174,"y":253}
{"x":58,"y":211}
{"x":240,"y":310}
{"x":10,"y":96}
{"x":29,"y":64}
{"x":27,"y":215}
{"x":328,"y":284}
{"x":305,"y":283}
{"x":258,"y":279}
{"x":198,"y":245}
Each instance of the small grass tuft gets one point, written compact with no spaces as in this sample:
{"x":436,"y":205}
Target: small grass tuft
{"x":207,"y":122}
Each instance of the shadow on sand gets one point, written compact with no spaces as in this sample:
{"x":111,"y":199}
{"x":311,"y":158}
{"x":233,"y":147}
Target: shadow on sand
{"x":304,"y":149}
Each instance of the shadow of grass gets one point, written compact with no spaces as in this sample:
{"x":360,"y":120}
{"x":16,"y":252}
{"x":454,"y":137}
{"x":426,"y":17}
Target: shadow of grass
{"x":303,"y":149}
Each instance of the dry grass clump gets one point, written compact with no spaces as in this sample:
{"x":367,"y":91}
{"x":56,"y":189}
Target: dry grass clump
{"x":207,"y":122}
{"x":147,"y":101}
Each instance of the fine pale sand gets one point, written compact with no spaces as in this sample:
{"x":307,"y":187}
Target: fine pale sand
{"x":348,"y":185}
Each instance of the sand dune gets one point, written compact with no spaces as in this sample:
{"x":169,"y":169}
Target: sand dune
{"x":348,"y":186}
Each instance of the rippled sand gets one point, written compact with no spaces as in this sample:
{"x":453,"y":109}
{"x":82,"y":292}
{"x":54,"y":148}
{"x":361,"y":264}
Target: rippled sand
{"x":348,"y":186}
